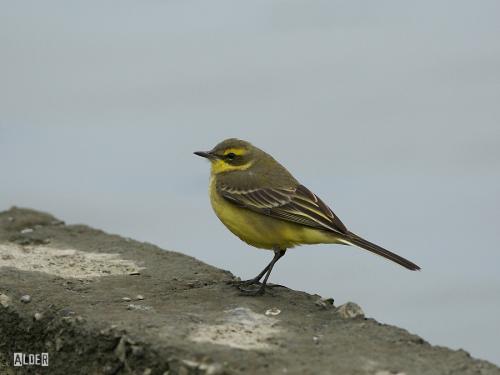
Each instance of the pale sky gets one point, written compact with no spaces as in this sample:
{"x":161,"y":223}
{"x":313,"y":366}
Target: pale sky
{"x":388,"y":110}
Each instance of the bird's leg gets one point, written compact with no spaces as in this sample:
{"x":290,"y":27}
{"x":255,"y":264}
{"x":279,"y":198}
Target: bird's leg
{"x":278,"y":253}
{"x":256,"y":279}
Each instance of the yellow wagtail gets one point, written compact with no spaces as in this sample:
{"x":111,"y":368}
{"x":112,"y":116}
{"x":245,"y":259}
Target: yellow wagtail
{"x":258,"y":200}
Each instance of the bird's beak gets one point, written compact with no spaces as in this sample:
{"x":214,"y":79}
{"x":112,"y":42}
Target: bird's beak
{"x":205,"y":154}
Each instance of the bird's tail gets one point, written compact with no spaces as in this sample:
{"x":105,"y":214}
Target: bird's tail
{"x":356,"y":240}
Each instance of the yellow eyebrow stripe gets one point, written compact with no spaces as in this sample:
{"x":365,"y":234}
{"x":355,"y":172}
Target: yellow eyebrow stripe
{"x":235,"y":150}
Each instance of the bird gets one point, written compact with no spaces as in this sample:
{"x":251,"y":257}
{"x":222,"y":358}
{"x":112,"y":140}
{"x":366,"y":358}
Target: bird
{"x":264,"y":205}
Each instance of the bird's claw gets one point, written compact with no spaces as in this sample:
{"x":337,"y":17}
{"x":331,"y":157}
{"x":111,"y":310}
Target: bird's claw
{"x":253,"y":291}
{"x":250,"y":282}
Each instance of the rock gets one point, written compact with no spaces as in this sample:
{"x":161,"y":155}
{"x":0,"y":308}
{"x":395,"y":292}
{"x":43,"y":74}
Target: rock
{"x":273,"y":312}
{"x":195,"y":322}
{"x":324,"y":303}
{"x":4,"y":300}
{"x":134,"y":306}
{"x":25,"y":299}
{"x":350,"y":310}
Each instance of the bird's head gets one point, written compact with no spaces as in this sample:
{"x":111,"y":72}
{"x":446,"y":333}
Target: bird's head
{"x":231,"y":155}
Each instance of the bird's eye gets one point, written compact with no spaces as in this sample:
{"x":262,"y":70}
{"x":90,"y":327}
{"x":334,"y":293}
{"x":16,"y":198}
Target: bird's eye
{"x":231,"y":155}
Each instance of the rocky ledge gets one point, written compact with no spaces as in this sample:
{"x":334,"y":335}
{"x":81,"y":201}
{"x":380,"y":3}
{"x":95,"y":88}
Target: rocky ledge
{"x":102,"y":304}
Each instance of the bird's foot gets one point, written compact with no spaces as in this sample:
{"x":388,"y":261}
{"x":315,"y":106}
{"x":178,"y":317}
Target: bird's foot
{"x":253,"y":281}
{"x":257,"y":290}
{"x":237,"y":282}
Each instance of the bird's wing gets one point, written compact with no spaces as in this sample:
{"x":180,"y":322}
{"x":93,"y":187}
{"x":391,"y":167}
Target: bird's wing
{"x":298,"y":205}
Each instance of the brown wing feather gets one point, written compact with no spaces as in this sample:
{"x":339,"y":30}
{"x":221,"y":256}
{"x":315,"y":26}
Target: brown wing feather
{"x":298,"y":205}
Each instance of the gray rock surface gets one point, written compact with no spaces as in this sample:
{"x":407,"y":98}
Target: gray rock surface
{"x":103,"y":304}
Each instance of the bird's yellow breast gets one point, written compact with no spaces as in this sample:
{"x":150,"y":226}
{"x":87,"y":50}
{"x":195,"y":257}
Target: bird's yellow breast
{"x":263,"y":231}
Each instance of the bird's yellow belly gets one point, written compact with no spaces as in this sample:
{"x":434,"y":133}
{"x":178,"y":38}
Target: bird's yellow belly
{"x":263,"y":231}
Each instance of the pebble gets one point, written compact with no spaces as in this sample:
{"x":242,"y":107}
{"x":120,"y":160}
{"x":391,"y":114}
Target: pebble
{"x":126,"y":299}
{"x":324,"y":302}
{"x":204,"y":368}
{"x":350,"y":310}
{"x":273,"y":311}
{"x":4,"y":300}
{"x":26,"y":230}
{"x":38,"y":316}
{"x":139,"y":297}
{"x":138,"y":307}
{"x":25,"y":299}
